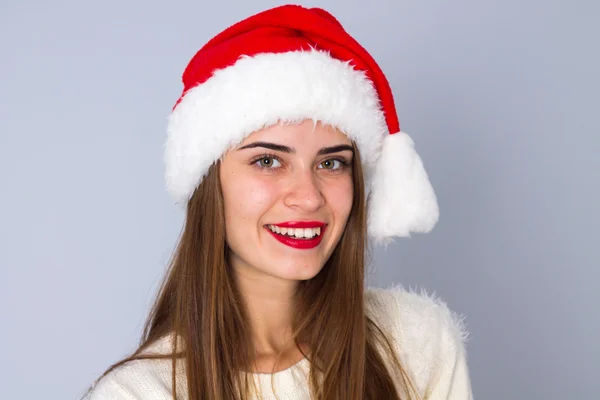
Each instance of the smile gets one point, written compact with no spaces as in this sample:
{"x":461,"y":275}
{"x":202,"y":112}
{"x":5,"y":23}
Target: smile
{"x":298,"y":234}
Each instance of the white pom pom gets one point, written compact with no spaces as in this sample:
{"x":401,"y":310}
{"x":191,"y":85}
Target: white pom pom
{"x":401,"y":198}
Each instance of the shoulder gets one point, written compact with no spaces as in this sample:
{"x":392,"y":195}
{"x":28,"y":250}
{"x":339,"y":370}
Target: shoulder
{"x":412,"y":314}
{"x":139,"y":379}
{"x":429,"y":337}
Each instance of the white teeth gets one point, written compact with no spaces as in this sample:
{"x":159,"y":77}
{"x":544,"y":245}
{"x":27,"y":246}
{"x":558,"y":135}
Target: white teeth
{"x":300,"y":233}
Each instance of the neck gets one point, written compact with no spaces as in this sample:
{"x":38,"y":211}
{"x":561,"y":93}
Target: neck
{"x":270,"y":305}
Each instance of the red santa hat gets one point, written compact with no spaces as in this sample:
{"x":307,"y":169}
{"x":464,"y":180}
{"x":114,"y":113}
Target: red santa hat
{"x":289,"y":64}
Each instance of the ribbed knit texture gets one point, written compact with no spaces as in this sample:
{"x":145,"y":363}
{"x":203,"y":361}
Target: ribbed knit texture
{"x":428,"y":336}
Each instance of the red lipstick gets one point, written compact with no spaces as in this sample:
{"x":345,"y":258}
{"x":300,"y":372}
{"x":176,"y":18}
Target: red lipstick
{"x":301,"y":224}
{"x":294,"y":242}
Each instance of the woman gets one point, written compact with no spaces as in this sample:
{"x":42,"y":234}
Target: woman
{"x":286,"y":150}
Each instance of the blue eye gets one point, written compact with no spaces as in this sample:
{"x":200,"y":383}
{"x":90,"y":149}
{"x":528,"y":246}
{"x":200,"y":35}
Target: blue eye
{"x":267,"y":162}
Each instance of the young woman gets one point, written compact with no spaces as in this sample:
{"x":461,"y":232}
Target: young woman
{"x":286,"y":150}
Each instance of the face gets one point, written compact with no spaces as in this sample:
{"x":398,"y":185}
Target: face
{"x":295,"y":180}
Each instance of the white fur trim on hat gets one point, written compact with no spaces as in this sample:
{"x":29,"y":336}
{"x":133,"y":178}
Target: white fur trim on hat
{"x":259,"y":91}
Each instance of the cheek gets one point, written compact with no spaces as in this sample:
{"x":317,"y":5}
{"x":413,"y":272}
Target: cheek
{"x":340,"y":196}
{"x":246,"y":199}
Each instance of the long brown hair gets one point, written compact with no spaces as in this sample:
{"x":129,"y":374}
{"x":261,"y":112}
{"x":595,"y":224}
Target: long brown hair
{"x":199,"y":306}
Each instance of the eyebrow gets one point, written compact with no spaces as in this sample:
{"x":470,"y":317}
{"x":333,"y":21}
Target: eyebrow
{"x":289,"y":150}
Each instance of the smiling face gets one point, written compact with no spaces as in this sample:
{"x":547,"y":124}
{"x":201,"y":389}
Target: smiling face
{"x":287,"y":193}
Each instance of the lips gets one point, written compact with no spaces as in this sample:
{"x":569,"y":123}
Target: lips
{"x":298,"y":243}
{"x":301,"y":224}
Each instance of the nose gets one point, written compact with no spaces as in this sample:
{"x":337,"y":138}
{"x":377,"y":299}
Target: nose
{"x":304,"y":192}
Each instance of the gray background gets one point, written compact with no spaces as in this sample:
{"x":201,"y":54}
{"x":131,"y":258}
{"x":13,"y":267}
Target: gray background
{"x":500,"y":96}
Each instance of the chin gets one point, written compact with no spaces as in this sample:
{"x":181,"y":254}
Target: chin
{"x":298,"y":272}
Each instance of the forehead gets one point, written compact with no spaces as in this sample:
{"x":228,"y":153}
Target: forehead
{"x":304,"y":134}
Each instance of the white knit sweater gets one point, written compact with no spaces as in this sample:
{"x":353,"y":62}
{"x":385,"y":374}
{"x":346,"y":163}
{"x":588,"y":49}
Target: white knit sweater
{"x":429,"y":339}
